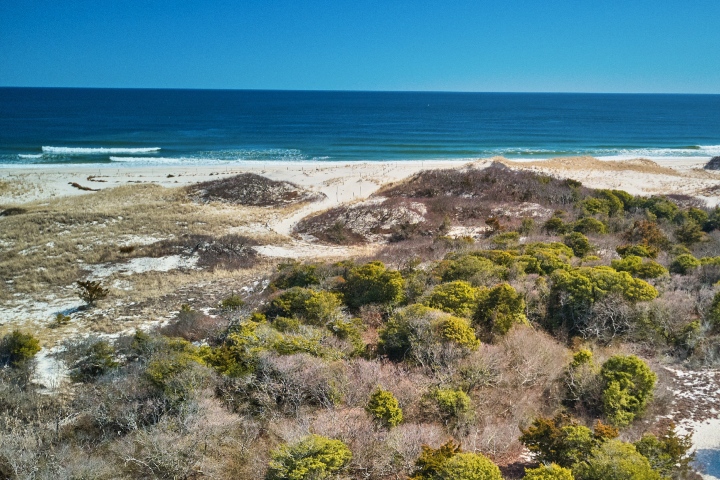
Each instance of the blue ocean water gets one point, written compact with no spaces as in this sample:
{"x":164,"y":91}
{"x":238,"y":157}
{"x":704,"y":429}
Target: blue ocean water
{"x":118,"y":126}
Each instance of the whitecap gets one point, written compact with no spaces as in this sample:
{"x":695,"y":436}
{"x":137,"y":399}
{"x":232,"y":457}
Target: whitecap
{"x":97,"y":150}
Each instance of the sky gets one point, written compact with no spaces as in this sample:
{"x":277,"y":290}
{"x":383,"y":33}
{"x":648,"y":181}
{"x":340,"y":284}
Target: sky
{"x":629,"y":46}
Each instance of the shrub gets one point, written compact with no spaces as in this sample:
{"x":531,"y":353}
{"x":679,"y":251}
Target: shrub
{"x":16,"y":348}
{"x":684,"y":263}
{"x":453,"y":403}
{"x":615,"y":460}
{"x":713,"y":221}
{"x":647,"y":233}
{"x":628,"y":385}
{"x":448,"y":462}
{"x":669,"y":454}
{"x":595,"y":206}
{"x":555,"y":226}
{"x":644,"y":251}
{"x":384,"y":408}
{"x":689,"y":233}
{"x":545,"y":258}
{"x":499,"y":308}
{"x":579,"y":243}
{"x":313,"y":307}
{"x":60,"y":320}
{"x":548,"y":472}
{"x":699,"y":216}
{"x":472,"y":268}
{"x":589,"y":225}
{"x":373,"y":283}
{"x":91,"y":291}
{"x":660,"y":207}
{"x":637,"y":268}
{"x":713,"y":314}
{"x":296,"y":274}
{"x":96,"y":359}
{"x":423,"y":334}
{"x":559,"y":440}
{"x":233,"y":302}
{"x":314,"y":457}
{"x":458,"y":297}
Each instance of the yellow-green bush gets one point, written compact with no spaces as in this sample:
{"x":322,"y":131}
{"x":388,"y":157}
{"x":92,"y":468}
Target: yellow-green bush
{"x":311,"y":306}
{"x":384,"y":408}
{"x":628,"y":385}
{"x":17,"y":347}
{"x":372,"y":283}
{"x":636,"y":267}
{"x":458,"y":297}
{"x":499,"y":308}
{"x":548,"y":472}
{"x":314,"y":457}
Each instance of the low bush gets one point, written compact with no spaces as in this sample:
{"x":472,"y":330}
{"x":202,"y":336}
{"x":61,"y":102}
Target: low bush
{"x":16,"y":348}
{"x":372,"y":283}
{"x":579,"y":243}
{"x":628,"y":385}
{"x":311,"y":306}
{"x":458,"y":297}
{"x":636,"y":267}
{"x":314,"y":457}
{"x":615,"y":460}
{"x":499,"y":309}
{"x":448,"y":462}
{"x":548,"y":472}
{"x":384,"y":408}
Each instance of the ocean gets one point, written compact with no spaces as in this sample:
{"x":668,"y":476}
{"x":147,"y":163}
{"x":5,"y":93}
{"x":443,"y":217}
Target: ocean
{"x":45,"y":126}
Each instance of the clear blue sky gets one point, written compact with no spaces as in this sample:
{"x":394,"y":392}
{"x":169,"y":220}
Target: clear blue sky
{"x":495,"y":45}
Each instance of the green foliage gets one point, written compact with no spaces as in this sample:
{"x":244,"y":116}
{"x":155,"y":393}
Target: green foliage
{"x":689,"y":233}
{"x":296,"y":274}
{"x":579,"y":243}
{"x":91,"y":291}
{"x":684,"y":264}
{"x":548,"y":472}
{"x":713,"y":221}
{"x":505,"y":240}
{"x":313,"y":307}
{"x":660,"y":207}
{"x":60,"y":320}
{"x":97,"y":359}
{"x":555,"y":226}
{"x":581,"y":357}
{"x":713,"y":314}
{"x":559,"y":440}
{"x":586,"y":285}
{"x":644,"y":251}
{"x":614,"y":202}
{"x":449,"y":463}
{"x":636,"y":267}
{"x":233,"y":302}
{"x":698,"y":216}
{"x":470,"y":268}
{"x":313,"y":458}
{"x":417,"y":331}
{"x":588,"y":225}
{"x":241,"y":349}
{"x":16,"y":348}
{"x":595,"y":206}
{"x":500,"y":308}
{"x":349,"y":330}
{"x":615,"y":460}
{"x":546,"y":257}
{"x":458,"y":297}
{"x":373,"y":283}
{"x":628,"y":384}
{"x":527,"y":226}
{"x":670,"y":454}
{"x":384,"y":408}
{"x":453,"y":403}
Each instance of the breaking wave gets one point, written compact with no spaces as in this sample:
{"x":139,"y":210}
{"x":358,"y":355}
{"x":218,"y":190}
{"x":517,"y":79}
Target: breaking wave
{"x":97,"y":150}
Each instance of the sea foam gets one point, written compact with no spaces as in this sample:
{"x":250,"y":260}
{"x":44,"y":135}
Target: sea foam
{"x":97,"y":150}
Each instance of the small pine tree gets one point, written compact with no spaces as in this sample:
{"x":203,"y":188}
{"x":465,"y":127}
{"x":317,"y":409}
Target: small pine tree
{"x":90,"y":291}
{"x":384,"y":408}
{"x":17,"y":347}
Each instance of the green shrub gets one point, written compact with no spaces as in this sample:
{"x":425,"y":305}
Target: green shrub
{"x":670,"y":454}
{"x":60,"y":320}
{"x":689,"y":233}
{"x":595,"y":206}
{"x":453,"y":403}
{"x":614,"y":201}
{"x":419,"y":332}
{"x":628,"y":385}
{"x":636,"y":267}
{"x":684,"y":264}
{"x":313,"y":458}
{"x":349,"y":330}
{"x":97,"y":359}
{"x":373,"y":283}
{"x":527,"y":226}
{"x":660,"y":207}
{"x":384,"y":408}
{"x":589,"y":225}
{"x":449,"y":463}
{"x":233,"y":302}
{"x":615,"y":460}
{"x":581,"y":357}
{"x":547,"y":257}
{"x":296,"y":274}
{"x":239,"y":352}
{"x":713,"y":221}
{"x":91,"y":291}
{"x":644,"y":251}
{"x":555,"y":226}
{"x":471,"y":268}
{"x":313,"y":307}
{"x":585,"y":285}
{"x":579,"y":243}
{"x":500,"y":308}
{"x":16,"y":348}
{"x":698,"y":216}
{"x":458,"y":297}
{"x":559,"y":440}
{"x":505,"y":240}
{"x":548,"y":472}
{"x":713,"y":315}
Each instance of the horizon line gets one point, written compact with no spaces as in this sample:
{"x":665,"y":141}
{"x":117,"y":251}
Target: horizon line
{"x":351,"y":91}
